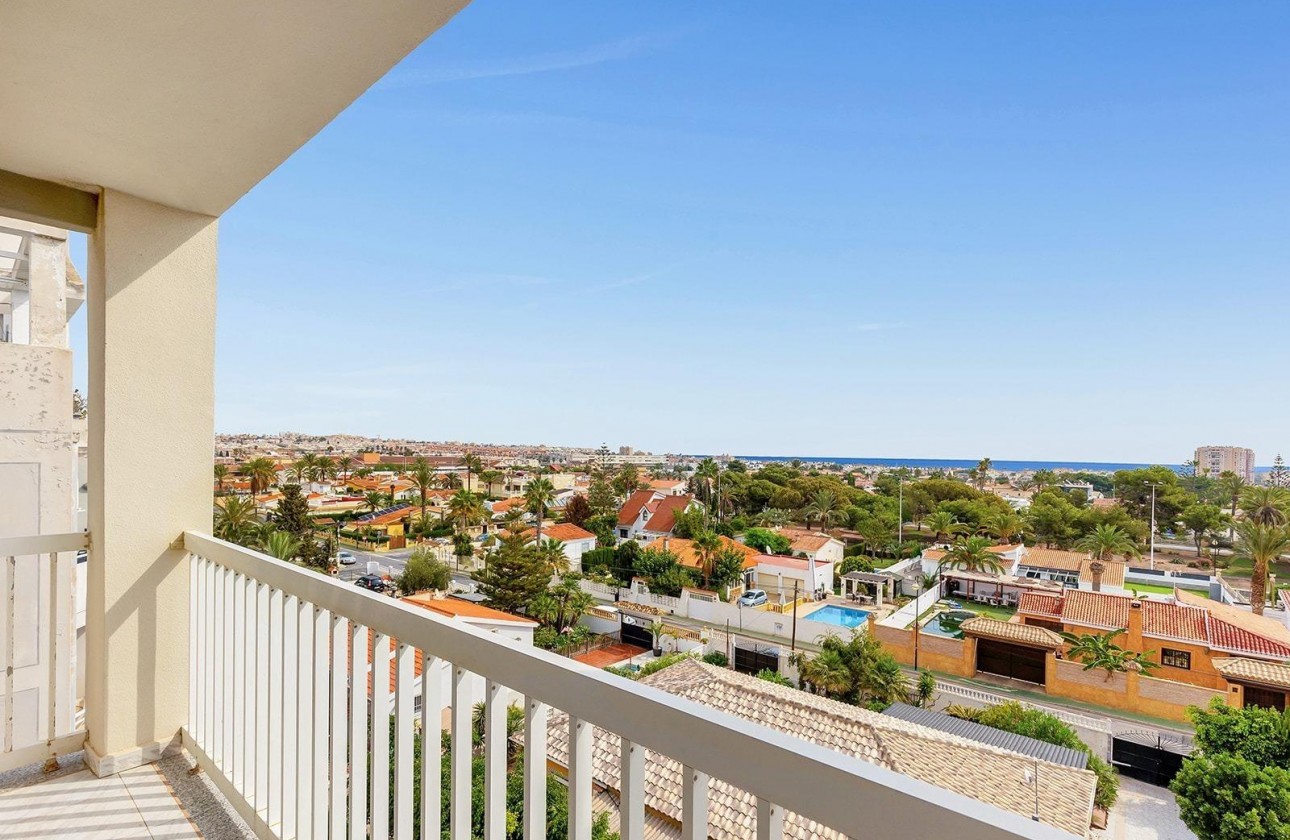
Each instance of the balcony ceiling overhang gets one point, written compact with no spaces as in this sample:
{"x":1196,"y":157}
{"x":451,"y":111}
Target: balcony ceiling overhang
{"x":188,"y":104}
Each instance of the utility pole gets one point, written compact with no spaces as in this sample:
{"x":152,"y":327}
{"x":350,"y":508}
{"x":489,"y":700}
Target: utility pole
{"x":900,"y":511}
{"x":1152,"y":560}
{"x":792,"y":645}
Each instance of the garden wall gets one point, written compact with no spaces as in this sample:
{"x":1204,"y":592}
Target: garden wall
{"x":936,"y":653}
{"x":1129,"y":691}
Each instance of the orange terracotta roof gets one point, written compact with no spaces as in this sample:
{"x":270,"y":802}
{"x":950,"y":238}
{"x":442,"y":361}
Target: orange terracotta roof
{"x":1176,"y":621}
{"x":1052,"y":558}
{"x":805,"y":541}
{"x":664,"y":518}
{"x":507,"y":504}
{"x":632,"y":507}
{"x":686,"y":555}
{"x":457,"y":608}
{"x":665,"y":483}
{"x":562,"y":531}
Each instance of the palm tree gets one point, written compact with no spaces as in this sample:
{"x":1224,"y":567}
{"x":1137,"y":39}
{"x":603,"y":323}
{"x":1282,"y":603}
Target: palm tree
{"x":282,"y":545}
{"x":221,"y":475}
{"x":824,"y":506}
{"x":972,"y":554}
{"x":1097,"y":650}
{"x":324,"y":469}
{"x":537,"y":498}
{"x":1005,"y":525}
{"x":234,"y":518}
{"x":1232,"y":484}
{"x":551,"y":553}
{"x":473,"y":466}
{"x":465,"y":509}
{"x":1266,"y":504}
{"x":705,"y":474}
{"x":488,"y":478}
{"x":422,"y":478}
{"x":982,"y":472}
{"x":450,"y":481}
{"x":706,"y":545}
{"x":827,"y":673}
{"x":943,"y":525}
{"x":1261,"y":544}
{"x":1106,"y":541}
{"x":374,"y":500}
{"x":261,"y":473}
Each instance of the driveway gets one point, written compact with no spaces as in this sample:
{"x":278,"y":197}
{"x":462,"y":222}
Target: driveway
{"x":1144,"y":812}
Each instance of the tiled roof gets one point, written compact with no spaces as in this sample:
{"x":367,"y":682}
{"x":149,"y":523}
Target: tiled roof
{"x":1228,"y":636}
{"x":1096,"y":609}
{"x":507,"y":504}
{"x":564,"y":532}
{"x":665,"y":483}
{"x":663,"y":519}
{"x":1113,"y":572}
{"x":632,"y":507}
{"x":1251,"y":670}
{"x":1011,"y":631}
{"x":1052,"y":558}
{"x":457,"y":608}
{"x":985,"y":773}
{"x":1039,"y":603}
{"x":1176,"y":621}
{"x":806,"y":541}
{"x":384,"y":517}
{"x":686,"y":555}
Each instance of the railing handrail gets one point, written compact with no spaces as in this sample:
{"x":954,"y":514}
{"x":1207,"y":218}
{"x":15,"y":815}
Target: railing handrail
{"x":43,"y":544}
{"x":811,"y":780}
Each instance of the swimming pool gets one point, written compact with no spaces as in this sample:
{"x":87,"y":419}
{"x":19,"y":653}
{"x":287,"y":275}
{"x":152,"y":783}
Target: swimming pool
{"x":947,"y":623}
{"x":841,"y":616}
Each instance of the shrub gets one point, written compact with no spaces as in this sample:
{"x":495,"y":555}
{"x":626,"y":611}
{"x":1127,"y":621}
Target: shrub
{"x":423,"y":571}
{"x":774,"y":677}
{"x":717,"y":658}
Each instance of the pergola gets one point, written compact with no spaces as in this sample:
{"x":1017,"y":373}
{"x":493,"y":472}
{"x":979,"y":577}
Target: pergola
{"x":878,"y":580}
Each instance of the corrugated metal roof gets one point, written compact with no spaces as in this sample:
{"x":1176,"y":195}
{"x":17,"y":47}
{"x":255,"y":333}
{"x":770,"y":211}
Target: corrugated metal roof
{"x":989,"y":735}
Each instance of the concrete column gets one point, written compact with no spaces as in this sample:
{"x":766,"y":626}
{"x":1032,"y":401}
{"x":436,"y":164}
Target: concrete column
{"x":151,"y":385}
{"x":47,"y":285}
{"x":20,"y":301}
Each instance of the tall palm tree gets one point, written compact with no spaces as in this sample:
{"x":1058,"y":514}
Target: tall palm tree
{"x":972,"y":554}
{"x":374,"y":500}
{"x":324,"y":468}
{"x":706,"y":545}
{"x":705,"y":475}
{"x":551,"y":553}
{"x":827,"y":673}
{"x":824,"y":506}
{"x":1261,"y":544}
{"x":465,"y":509}
{"x":450,"y":481}
{"x":488,"y":478}
{"x":1106,"y":541}
{"x":538,"y":496}
{"x":982,"y":472}
{"x":221,"y":475}
{"x":943,"y":525}
{"x":422,"y":477}
{"x":1265,"y":504}
{"x":473,"y":466}
{"x":261,"y":473}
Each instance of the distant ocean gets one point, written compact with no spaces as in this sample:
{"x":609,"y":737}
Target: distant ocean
{"x":962,"y":464}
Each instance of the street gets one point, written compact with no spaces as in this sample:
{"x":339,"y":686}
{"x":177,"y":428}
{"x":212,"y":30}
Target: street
{"x":391,"y":563}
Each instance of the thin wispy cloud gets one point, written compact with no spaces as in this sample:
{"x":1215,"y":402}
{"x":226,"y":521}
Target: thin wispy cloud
{"x":570,"y":59}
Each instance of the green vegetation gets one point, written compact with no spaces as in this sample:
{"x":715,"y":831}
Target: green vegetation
{"x":651,"y":667}
{"x":1097,"y":650}
{"x":1236,"y":786}
{"x":424,"y":571}
{"x":855,"y":670}
{"x":1032,"y":723}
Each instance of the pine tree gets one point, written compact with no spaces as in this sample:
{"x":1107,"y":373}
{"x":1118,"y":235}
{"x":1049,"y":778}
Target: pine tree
{"x":513,"y":575}
{"x":292,"y":516}
{"x":1280,"y":475}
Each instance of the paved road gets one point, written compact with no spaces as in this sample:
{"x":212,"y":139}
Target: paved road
{"x":1144,"y":812}
{"x":393,"y":561}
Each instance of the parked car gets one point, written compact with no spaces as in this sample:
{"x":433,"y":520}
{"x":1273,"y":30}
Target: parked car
{"x":753,"y":598}
{"x":375,"y":583}
{"x":346,"y":558}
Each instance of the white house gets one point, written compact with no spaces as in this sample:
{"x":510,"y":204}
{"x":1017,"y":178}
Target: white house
{"x":516,"y":628}
{"x":816,"y":545}
{"x":649,"y":514}
{"x":780,"y":575}
{"x":577,"y":541}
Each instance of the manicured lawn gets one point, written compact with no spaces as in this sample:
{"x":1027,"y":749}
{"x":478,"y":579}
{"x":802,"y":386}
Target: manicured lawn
{"x":998,"y":613}
{"x":1152,"y":588}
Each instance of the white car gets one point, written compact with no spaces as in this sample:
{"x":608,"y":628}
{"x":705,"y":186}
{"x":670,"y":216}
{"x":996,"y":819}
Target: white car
{"x":345,"y":558}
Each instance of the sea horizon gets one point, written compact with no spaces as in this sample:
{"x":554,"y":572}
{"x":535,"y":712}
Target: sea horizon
{"x":969,"y":463}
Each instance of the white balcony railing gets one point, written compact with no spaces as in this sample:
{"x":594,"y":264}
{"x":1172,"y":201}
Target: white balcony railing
{"x":279,"y":717}
{"x":39,"y":706}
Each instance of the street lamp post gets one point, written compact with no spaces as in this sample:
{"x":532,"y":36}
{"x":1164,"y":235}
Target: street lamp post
{"x":900,"y":511}
{"x":1152,"y":556}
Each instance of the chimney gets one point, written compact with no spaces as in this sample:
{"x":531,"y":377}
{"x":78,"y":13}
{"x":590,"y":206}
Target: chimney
{"x":1133,"y":638}
{"x":1096,"y":569}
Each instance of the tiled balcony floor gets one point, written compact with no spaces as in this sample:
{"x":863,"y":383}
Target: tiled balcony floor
{"x":157,"y":801}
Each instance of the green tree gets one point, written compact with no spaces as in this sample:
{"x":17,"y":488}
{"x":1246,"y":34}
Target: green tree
{"x":1098,"y":650}
{"x":374,"y":500}
{"x":577,"y":511}
{"x":925,"y":690}
{"x":422,"y":477}
{"x":972,"y":554}
{"x":1262,"y":545}
{"x":221,"y":475}
{"x":1260,"y":734}
{"x":261,"y":473}
{"x":1005,"y":525}
{"x":466,"y":509}
{"x":1266,"y":505}
{"x":513,"y":575}
{"x":537,"y":498}
{"x":235,"y":518}
{"x":282,"y":545}
{"x":1202,"y":520}
{"x":424,"y":571}
{"x":767,"y":541}
{"x":474,"y":466}
{"x":706,"y":545}
{"x":1227,"y":797}
{"x":727,"y":569}
{"x":982,"y":472}
{"x":1231,"y":486}
{"x":292,"y":516}
{"x":943,"y":526}
{"x":1104,"y":542}
{"x":823,"y":507}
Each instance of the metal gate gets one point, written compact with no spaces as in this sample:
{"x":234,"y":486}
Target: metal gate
{"x":1148,"y":756}
{"x":753,"y":658}
{"x":634,"y":630}
{"x":1013,"y":661}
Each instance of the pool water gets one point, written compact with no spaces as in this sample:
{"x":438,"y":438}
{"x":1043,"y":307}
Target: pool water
{"x":947,"y":623}
{"x":841,"y":616}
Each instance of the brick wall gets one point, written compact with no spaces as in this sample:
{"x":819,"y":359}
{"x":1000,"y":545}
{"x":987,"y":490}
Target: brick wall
{"x":1166,"y":691}
{"x":1073,"y":672}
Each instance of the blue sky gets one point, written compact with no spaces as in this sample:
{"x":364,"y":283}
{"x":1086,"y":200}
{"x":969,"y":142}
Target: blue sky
{"x":1021,"y":230}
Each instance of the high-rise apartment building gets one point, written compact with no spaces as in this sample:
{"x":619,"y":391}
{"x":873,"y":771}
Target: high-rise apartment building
{"x":1213,"y":460}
